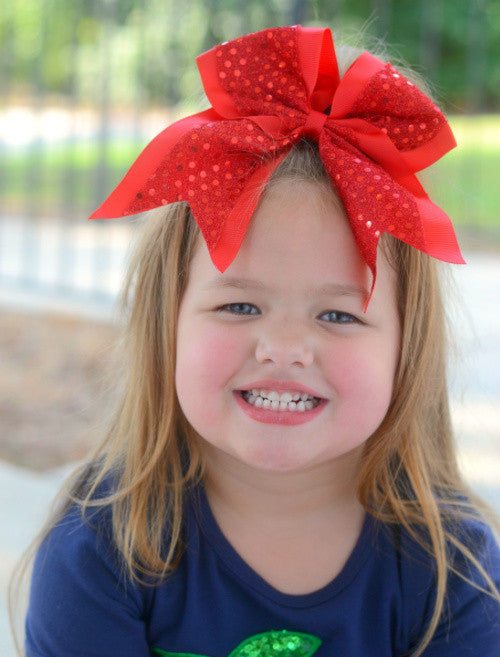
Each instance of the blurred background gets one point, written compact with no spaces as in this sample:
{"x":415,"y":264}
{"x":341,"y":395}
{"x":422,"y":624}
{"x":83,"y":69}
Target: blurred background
{"x":84,"y":85}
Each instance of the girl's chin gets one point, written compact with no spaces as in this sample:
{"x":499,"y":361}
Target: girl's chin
{"x":269,"y":458}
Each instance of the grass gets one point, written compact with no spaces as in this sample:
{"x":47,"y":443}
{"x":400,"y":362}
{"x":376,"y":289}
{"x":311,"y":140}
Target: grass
{"x":72,"y":176}
{"x":465,"y":182}
{"x":69,"y":175}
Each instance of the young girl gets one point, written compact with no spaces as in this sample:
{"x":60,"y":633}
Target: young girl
{"x":280,"y":477}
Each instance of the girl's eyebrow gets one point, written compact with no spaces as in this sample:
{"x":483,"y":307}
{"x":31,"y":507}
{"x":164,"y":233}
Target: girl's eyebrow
{"x":331,"y":289}
{"x":232,"y":281}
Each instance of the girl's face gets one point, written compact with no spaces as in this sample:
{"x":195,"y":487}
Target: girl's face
{"x":287,"y":317}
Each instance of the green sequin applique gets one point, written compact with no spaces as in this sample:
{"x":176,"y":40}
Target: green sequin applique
{"x":164,"y":653}
{"x":277,"y":643}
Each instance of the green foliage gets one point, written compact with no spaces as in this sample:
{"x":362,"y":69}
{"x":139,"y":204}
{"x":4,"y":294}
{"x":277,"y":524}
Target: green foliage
{"x":464,"y":183}
{"x":141,"y":52}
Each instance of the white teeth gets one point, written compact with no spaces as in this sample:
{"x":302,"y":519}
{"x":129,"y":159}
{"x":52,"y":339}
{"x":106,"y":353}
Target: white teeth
{"x":286,"y":397}
{"x":286,"y":401}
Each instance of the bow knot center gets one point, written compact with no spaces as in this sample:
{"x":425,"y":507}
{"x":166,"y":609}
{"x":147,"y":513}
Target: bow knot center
{"x":314,"y":124}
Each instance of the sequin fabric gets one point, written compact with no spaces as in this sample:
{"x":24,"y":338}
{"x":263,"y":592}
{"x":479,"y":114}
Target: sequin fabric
{"x":373,"y":201}
{"x":260,"y":79}
{"x":210,"y":166}
{"x":399,"y":109}
{"x":276,"y":643}
{"x":261,"y":73}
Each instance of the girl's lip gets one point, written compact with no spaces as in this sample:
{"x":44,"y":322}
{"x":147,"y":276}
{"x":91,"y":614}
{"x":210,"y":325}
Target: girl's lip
{"x":278,"y":417}
{"x":281,"y":386}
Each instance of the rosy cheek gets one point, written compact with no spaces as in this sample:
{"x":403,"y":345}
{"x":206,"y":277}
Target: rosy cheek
{"x":363,"y":376}
{"x":206,"y":361}
{"x":218,"y":349}
{"x":212,"y":353}
{"x":345,"y":364}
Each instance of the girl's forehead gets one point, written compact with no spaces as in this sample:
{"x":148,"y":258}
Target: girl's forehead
{"x":299,"y":236}
{"x":300,"y":224}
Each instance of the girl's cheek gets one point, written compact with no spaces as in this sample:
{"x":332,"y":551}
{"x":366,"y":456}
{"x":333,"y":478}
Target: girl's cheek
{"x":361,"y":371}
{"x":347,"y":362}
{"x":207,"y":359}
{"x":214,"y":350}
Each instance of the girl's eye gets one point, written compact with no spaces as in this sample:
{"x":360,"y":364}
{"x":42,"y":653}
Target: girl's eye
{"x":239,"y":309}
{"x":338,"y":317}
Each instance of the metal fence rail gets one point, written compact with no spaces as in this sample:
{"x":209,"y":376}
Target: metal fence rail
{"x":80,"y":97}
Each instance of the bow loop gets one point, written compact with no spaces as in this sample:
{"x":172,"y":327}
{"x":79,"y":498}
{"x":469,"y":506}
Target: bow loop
{"x":381,"y":97}
{"x":256,"y":75}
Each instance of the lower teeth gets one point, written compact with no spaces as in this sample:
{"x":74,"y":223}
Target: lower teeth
{"x":267,"y":404}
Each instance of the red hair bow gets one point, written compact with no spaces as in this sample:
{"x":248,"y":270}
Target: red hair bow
{"x":269,"y":90}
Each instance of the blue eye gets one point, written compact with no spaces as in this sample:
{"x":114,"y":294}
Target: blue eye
{"x":239,"y":309}
{"x":338,"y":317}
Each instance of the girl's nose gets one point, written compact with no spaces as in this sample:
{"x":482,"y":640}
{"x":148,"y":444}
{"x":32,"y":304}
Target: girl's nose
{"x":284,"y":348}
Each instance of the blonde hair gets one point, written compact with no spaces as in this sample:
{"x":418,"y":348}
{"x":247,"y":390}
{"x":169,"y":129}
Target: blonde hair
{"x":409,"y":476}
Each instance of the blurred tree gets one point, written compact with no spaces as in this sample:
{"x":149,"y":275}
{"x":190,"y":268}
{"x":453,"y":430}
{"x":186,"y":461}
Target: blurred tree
{"x":151,"y":44}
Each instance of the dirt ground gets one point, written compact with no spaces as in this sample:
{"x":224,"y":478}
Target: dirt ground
{"x":53,"y":396}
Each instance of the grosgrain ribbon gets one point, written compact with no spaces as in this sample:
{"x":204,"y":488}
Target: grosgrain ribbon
{"x":269,"y":90}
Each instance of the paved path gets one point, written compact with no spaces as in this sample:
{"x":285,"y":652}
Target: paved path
{"x":25,"y":496}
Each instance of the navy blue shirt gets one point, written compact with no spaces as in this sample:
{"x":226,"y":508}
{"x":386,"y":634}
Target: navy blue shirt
{"x":82,"y":605}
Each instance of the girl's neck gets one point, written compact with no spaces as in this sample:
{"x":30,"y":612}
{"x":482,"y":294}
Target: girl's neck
{"x":327,"y":490}
{"x":272,"y":520}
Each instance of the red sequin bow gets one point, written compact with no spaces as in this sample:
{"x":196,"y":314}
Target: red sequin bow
{"x":269,"y":90}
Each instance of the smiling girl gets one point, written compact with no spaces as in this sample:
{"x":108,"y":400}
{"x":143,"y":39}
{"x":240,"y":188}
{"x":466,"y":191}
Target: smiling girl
{"x":280,"y":478}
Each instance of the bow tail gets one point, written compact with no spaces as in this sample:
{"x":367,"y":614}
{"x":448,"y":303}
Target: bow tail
{"x":131,"y":195}
{"x":439,"y":236}
{"x":375,"y":203}
{"x":234,"y":226}
{"x":219,"y":167}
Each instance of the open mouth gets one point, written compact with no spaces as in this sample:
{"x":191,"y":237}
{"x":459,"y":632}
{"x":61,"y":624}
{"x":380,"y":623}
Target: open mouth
{"x":280,"y":401}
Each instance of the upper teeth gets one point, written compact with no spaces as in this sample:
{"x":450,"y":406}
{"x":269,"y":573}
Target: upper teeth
{"x":284,"y":401}
{"x":285,"y":397}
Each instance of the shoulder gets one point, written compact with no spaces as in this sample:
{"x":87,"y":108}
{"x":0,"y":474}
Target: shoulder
{"x":470,"y":621}
{"x":78,"y":585}
{"x":471,"y":532}
{"x":464,"y":528}
{"x":79,"y":537}
{"x":78,"y":557}
{"x":77,"y":540}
